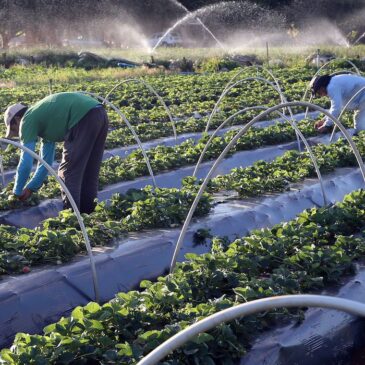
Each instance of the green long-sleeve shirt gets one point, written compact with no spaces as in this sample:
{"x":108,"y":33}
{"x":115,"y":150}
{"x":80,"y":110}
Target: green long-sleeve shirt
{"x":52,"y":117}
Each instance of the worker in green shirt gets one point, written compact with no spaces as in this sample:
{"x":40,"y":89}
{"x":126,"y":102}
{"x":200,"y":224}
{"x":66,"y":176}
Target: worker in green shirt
{"x":77,"y":120}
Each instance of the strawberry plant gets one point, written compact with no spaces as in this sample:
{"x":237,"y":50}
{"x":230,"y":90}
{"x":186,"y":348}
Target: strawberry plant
{"x":295,"y":257}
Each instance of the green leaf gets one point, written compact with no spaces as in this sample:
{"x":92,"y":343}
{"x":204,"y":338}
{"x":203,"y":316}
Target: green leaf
{"x":77,"y":313}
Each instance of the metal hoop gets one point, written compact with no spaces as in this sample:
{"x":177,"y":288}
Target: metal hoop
{"x":278,"y":90}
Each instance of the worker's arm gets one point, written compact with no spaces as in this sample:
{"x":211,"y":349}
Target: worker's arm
{"x":47,"y":153}
{"x":24,"y":168}
{"x":336,"y":106}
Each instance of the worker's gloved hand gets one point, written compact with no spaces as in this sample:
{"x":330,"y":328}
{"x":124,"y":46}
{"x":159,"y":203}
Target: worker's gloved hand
{"x":321,"y":127}
{"x":25,"y":195}
{"x":320,"y":124}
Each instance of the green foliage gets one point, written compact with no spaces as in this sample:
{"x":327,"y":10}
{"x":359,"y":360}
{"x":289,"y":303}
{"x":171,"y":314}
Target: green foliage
{"x":294,"y":257}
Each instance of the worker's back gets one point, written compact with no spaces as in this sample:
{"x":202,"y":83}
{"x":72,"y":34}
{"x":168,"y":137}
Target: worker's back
{"x":345,"y":87}
{"x":53,"y":116}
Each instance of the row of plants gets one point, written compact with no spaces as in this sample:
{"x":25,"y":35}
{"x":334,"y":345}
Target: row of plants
{"x":146,"y":208}
{"x":59,"y":239}
{"x":292,"y":167}
{"x":185,"y":95}
{"x":303,"y":255}
{"x":163,"y":158}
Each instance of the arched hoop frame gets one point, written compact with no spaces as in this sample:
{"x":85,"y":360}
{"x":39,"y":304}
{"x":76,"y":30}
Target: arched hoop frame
{"x":73,"y":205}
{"x":153,"y":91}
{"x":258,"y":67}
{"x":344,"y":109}
{"x":124,"y":118}
{"x":250,"y":308}
{"x":259,"y":79}
{"x":231,"y":85}
{"x":292,"y":124}
{"x":242,"y":131}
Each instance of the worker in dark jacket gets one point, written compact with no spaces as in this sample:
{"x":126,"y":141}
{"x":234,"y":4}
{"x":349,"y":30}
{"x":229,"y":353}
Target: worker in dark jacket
{"x":77,"y":120}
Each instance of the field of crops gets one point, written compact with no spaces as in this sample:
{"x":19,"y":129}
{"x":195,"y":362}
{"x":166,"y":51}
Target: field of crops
{"x":303,"y":254}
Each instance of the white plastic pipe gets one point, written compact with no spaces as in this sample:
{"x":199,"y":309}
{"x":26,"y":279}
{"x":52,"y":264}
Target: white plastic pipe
{"x":231,"y":86}
{"x":275,"y":79}
{"x":297,"y":131}
{"x":153,"y":90}
{"x":135,"y":135}
{"x":217,"y":131}
{"x":250,"y":308}
{"x":73,"y":205}
{"x":2,"y":171}
{"x":242,"y":131}
{"x":260,"y":79}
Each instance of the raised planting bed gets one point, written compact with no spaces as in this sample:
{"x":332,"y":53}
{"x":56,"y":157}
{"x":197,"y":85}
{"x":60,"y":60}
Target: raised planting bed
{"x":31,"y":217}
{"x":317,"y":249}
{"x":320,"y":337}
{"x":147,"y":254}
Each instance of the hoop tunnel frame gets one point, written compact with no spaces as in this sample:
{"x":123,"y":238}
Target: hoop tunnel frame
{"x":257,"y":78}
{"x":292,"y":124}
{"x":234,"y":140}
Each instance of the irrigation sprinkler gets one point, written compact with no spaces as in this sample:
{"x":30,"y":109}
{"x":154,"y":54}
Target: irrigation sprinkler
{"x":124,"y":118}
{"x":292,"y":124}
{"x":153,"y":90}
{"x":73,"y":205}
{"x":242,"y":131}
{"x":344,"y":109}
{"x":231,"y":86}
{"x":242,"y":310}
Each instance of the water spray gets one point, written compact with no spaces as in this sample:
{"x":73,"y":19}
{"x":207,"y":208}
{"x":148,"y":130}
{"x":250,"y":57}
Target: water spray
{"x":195,"y":14}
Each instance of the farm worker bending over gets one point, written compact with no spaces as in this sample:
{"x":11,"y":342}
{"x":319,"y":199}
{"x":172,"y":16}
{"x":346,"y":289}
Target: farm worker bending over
{"x":340,"y":89}
{"x":77,"y":120}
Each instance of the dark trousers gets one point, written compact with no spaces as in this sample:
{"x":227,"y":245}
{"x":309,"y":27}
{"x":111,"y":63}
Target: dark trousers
{"x":81,"y":159}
